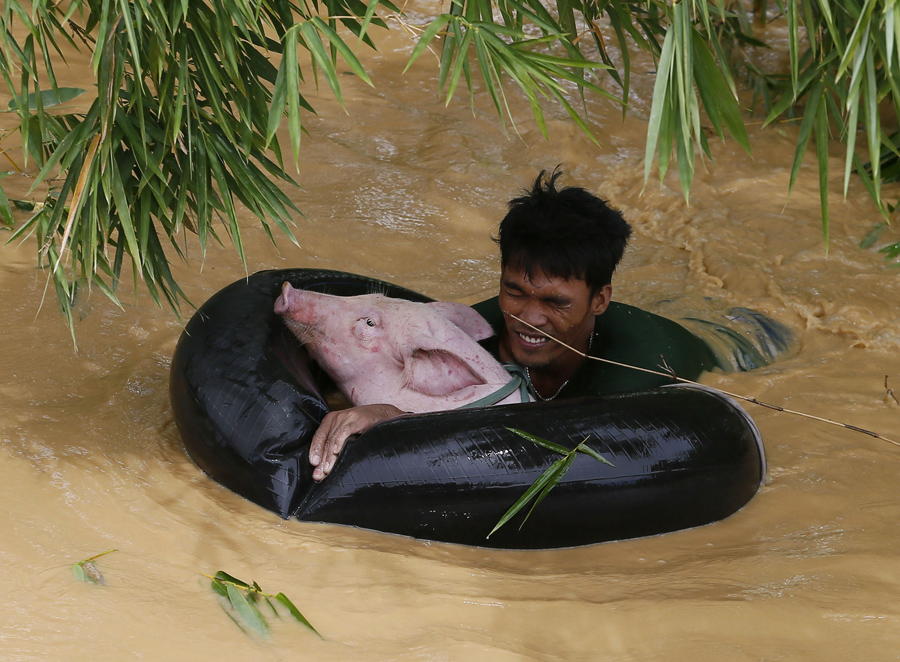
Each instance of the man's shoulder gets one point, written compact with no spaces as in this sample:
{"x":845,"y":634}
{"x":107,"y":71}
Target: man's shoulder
{"x":489,"y":309}
{"x":634,"y":337}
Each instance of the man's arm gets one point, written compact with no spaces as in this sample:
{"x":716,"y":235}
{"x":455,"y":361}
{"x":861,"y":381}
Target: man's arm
{"x":337,"y":427}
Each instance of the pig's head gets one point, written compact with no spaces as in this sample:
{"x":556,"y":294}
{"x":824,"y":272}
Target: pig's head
{"x":373,"y":345}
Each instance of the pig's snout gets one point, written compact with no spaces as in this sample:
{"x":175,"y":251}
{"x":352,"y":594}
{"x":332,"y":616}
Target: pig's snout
{"x":283,"y":302}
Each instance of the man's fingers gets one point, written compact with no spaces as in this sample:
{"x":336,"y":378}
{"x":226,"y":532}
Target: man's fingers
{"x":329,"y":441}
{"x":320,"y":439}
{"x":337,"y":428}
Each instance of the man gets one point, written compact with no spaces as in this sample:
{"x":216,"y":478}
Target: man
{"x":558,"y":251}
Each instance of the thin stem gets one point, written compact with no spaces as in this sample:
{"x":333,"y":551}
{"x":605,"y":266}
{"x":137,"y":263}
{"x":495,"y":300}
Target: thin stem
{"x":671,"y":375}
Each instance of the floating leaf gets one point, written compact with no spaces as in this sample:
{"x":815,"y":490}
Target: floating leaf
{"x":873,"y":235}
{"x":86,"y":570}
{"x":225,"y":577}
{"x":283,"y":599}
{"x":246,"y":610}
{"x":241,"y":603}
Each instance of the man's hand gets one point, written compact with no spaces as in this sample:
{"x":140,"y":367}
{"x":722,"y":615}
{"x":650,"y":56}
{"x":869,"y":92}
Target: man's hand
{"x":337,"y":427}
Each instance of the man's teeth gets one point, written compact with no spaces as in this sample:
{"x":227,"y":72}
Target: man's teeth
{"x":533,"y":340}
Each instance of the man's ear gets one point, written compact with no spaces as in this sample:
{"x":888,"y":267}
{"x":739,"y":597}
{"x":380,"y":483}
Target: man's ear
{"x":600,"y":300}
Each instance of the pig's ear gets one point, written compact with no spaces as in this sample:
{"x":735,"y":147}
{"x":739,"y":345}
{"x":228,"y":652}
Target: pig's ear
{"x":464,"y":317}
{"x":437,"y":372}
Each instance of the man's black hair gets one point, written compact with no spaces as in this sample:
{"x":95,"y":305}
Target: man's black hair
{"x":566,"y":233}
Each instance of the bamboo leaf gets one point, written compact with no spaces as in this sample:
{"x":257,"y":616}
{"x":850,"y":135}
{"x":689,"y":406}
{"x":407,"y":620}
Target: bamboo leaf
{"x":716,"y":94}
{"x":367,"y":19}
{"x":48,"y":98}
{"x":6,"y":213}
{"x":530,"y":493}
{"x":549,"y":445}
{"x":246,"y":610}
{"x":321,"y":57}
{"x":564,"y":465}
{"x":806,"y":127}
{"x":660,"y":100}
{"x":873,"y":235}
{"x":587,"y":450}
{"x":857,"y":38}
{"x":427,"y":37}
{"x":459,"y":64}
{"x":219,"y":588}
{"x":335,"y":40}
{"x":793,"y":43}
{"x":873,"y":122}
{"x":283,"y":599}
{"x":86,"y":570}
{"x":225,"y":577}
{"x":822,"y":152}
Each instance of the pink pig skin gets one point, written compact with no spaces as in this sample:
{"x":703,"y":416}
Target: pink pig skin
{"x":418,"y":357}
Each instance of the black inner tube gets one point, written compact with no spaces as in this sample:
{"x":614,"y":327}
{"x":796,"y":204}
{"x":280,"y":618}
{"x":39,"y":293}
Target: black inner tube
{"x":247,"y":401}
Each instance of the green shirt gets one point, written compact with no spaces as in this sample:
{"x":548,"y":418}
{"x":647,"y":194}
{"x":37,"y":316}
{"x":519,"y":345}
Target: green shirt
{"x":628,"y":335}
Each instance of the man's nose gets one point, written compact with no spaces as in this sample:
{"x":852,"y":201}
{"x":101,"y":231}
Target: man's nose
{"x":533,"y":313}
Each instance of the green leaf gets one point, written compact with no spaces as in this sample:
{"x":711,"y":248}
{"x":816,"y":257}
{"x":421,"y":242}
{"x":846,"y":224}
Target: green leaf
{"x":587,"y":450}
{"x":48,"y":98}
{"x":891,"y":251}
{"x":564,"y":465}
{"x":247,"y":611}
{"x":822,"y":152}
{"x":367,"y":19}
{"x":283,"y":599}
{"x":225,"y":577}
{"x":6,"y":214}
{"x":806,"y":127}
{"x":219,"y":587}
{"x":530,"y":493}
{"x":23,"y":205}
{"x":86,"y":571}
{"x":427,"y":37}
{"x":335,"y":40}
{"x":320,"y":57}
{"x":873,"y":235}
{"x":549,"y":445}
{"x":716,"y":94}
{"x":660,"y":100}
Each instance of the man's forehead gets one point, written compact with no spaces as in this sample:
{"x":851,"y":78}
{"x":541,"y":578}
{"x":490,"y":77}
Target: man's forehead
{"x":537,"y":277}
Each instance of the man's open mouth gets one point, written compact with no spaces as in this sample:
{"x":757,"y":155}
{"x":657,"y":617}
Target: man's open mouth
{"x":532,"y":340}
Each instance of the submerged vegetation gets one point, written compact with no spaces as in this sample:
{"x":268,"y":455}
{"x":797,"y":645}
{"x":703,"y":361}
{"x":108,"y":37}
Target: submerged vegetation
{"x":190,"y":96}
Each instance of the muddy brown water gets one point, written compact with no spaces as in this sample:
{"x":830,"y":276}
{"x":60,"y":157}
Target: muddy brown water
{"x":403,"y":190}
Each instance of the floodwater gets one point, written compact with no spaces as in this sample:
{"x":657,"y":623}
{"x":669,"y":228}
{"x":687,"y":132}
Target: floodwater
{"x":401,"y":189}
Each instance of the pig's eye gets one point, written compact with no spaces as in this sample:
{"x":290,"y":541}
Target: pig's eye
{"x":369,"y":321}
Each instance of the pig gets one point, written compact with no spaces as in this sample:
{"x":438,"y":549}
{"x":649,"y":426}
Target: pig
{"x":419,"y":357}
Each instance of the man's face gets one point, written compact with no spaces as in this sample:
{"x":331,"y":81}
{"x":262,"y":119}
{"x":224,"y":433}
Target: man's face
{"x":565,"y":309}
